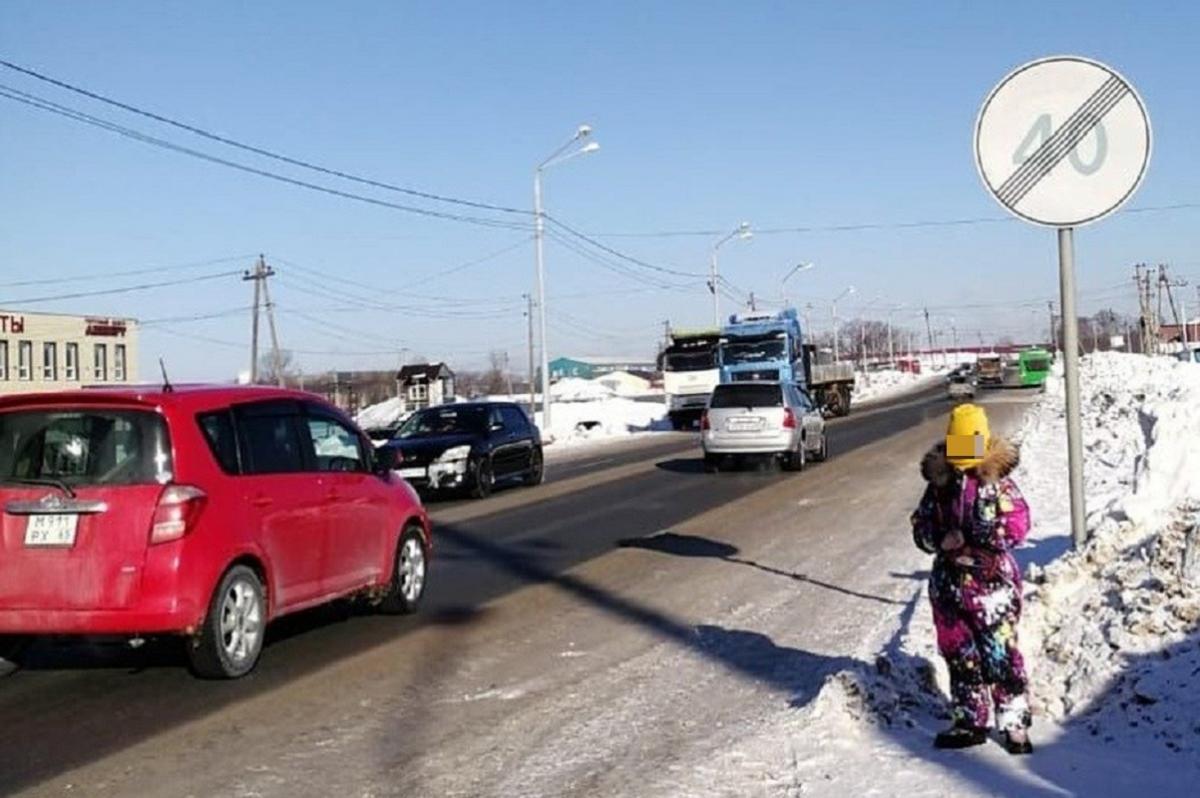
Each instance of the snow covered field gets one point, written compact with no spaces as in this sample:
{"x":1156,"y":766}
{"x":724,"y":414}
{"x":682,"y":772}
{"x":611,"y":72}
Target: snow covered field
{"x":1110,"y":632}
{"x":876,"y":386}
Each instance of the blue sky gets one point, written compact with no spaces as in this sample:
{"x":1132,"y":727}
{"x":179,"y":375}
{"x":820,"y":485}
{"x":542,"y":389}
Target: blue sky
{"x":783,"y":114}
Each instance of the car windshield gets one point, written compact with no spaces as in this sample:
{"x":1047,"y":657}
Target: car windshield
{"x":747,"y":395}
{"x":445,"y":421}
{"x":751,"y":352}
{"x":689,"y":361}
{"x":1037,"y":364}
{"x":85,"y":447}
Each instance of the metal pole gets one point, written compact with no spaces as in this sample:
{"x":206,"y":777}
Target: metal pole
{"x":836,"y":356}
{"x":1183,"y":311}
{"x":891,"y":348}
{"x":1070,"y":332}
{"x":532,"y":372}
{"x":254,"y":321}
{"x":276,"y":357}
{"x":539,"y":234}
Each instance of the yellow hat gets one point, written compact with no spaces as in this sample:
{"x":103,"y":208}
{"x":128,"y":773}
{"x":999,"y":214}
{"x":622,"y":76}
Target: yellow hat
{"x":967,"y":436}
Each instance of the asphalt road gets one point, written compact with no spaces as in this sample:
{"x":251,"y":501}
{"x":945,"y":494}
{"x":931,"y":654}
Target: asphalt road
{"x":77,"y":705}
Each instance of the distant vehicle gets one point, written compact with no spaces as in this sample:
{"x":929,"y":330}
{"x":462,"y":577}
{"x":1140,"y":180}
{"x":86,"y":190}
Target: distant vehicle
{"x":761,"y":346}
{"x":1189,"y":356}
{"x":472,"y":446}
{"x":201,"y":512}
{"x":961,"y":386}
{"x":1033,"y":367}
{"x":776,"y":419}
{"x":689,"y":367}
{"x":989,"y":369}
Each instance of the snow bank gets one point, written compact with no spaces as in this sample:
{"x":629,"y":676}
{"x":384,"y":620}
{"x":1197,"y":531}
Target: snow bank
{"x":574,"y":423}
{"x":574,"y":389}
{"x":877,"y":385}
{"x":381,"y":416}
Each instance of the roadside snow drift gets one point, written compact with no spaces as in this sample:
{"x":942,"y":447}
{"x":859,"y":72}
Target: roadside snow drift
{"x":575,"y":423}
{"x":875,"y":386}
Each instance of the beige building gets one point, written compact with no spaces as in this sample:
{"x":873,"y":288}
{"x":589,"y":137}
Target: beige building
{"x":50,"y":352}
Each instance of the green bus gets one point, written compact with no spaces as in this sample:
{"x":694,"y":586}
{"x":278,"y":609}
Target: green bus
{"x":1033,"y":366}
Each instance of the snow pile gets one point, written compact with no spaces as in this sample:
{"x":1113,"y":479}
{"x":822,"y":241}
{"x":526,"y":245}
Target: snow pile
{"x":573,"y":423}
{"x":384,"y":415}
{"x":1112,"y":628}
{"x":574,"y":389}
{"x":878,"y":385}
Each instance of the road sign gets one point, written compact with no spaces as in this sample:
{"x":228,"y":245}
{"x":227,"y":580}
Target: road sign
{"x":1062,"y":141}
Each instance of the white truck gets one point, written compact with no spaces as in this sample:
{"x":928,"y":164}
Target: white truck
{"x":689,"y":368}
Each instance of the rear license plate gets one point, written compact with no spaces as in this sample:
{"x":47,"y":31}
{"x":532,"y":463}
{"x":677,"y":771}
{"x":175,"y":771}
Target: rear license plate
{"x":411,"y":473}
{"x":753,"y":424}
{"x":51,"y":530}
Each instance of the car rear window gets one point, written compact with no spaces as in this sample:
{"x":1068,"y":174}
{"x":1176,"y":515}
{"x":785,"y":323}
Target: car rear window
{"x":747,"y":395}
{"x":85,"y":446}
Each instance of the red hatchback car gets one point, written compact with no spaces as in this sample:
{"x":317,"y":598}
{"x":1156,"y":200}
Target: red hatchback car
{"x":204,"y":512}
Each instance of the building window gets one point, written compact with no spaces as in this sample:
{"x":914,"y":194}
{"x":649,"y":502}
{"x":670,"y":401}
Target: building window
{"x":25,"y":361}
{"x":4,"y":361}
{"x":71,"y":366}
{"x":100,"y":363}
{"x":50,"y":361}
{"x":119,"y":362}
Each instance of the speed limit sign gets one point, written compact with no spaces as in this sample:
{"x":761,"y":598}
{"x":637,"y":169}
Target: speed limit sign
{"x":1062,"y":141}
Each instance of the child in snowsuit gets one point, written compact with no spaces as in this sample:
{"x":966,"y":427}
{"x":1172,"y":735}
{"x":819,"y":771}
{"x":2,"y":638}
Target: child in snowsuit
{"x":971,"y":517}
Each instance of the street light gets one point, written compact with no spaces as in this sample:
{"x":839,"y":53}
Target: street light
{"x":891,"y":346}
{"x":844,"y":294}
{"x":799,"y":267}
{"x":557,"y":157}
{"x":742,"y":232}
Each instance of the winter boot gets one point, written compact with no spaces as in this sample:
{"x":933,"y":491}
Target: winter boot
{"x":1017,"y":743}
{"x":960,"y":736}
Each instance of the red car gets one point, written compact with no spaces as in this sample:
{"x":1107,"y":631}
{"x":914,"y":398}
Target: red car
{"x":204,"y":512}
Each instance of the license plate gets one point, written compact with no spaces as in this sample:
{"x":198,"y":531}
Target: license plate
{"x":51,"y":530}
{"x":744,"y":424}
{"x":411,"y":473}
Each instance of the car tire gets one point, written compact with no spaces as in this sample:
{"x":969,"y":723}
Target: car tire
{"x":11,"y":649}
{"x":483,"y":479}
{"x":537,"y":469}
{"x":712,"y":463}
{"x":231,"y":639}
{"x":823,"y":453}
{"x":409,"y":575}
{"x":796,"y":460}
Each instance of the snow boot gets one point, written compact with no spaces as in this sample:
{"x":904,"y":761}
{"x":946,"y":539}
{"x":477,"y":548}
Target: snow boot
{"x":1017,"y":747}
{"x":957,"y":737}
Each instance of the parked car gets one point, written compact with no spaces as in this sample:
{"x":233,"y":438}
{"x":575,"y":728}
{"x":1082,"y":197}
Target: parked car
{"x":777,"y":419}
{"x":203,"y":512}
{"x":961,"y":386}
{"x":472,"y":446}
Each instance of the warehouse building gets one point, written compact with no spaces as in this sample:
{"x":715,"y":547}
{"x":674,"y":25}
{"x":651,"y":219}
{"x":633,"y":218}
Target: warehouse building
{"x":51,"y":352}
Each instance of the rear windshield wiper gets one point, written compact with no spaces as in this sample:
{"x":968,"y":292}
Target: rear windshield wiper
{"x":49,"y":482}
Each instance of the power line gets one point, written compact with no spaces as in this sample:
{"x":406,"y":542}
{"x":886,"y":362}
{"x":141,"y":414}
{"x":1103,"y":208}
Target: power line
{"x":617,"y":253}
{"x":124,"y":289}
{"x":46,"y":105}
{"x":259,"y":150}
{"x":129,"y":273}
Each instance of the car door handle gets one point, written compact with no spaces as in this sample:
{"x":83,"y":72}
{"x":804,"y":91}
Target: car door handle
{"x":261,"y":501}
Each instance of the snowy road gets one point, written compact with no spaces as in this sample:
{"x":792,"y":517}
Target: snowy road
{"x":562,"y":652}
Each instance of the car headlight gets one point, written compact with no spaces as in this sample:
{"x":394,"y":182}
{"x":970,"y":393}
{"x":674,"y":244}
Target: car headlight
{"x":454,"y":454}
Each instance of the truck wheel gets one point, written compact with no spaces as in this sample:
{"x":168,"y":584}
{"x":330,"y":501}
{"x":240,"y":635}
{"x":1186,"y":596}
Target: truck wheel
{"x":844,"y":402}
{"x":231,"y":639}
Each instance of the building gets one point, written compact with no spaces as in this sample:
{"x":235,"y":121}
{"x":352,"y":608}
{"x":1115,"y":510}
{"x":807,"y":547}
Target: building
{"x":588,"y":368}
{"x":425,"y":385}
{"x":51,"y":352}
{"x":353,"y":390}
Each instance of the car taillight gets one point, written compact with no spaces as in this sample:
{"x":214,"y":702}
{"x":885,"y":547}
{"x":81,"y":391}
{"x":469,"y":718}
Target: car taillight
{"x":704,"y":420}
{"x":789,"y":418}
{"x":176,"y":513}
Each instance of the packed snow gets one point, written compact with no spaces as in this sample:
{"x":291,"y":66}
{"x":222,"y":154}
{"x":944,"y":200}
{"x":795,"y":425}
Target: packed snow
{"x":384,"y":415}
{"x":875,"y":386}
{"x":573,"y":424}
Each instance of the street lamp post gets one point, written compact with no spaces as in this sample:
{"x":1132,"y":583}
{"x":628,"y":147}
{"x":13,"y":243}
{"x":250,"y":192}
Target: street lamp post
{"x":891,"y":347}
{"x":799,"y":267}
{"x":742,"y":232}
{"x":539,"y":233}
{"x":833,"y":305}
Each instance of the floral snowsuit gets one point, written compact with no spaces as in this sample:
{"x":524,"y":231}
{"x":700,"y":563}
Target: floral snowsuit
{"x":975,"y":590}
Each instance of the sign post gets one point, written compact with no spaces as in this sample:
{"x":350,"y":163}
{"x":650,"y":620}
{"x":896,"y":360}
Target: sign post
{"x":1063,"y":142}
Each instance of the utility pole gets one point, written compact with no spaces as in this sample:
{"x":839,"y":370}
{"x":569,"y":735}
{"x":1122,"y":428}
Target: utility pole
{"x":929,"y":332}
{"x":753,"y":306}
{"x":529,"y":317}
{"x":508,"y":375}
{"x":259,"y":277}
{"x":1053,"y":335}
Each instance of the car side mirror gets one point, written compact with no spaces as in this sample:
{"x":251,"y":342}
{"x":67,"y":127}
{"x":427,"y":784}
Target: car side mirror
{"x":386,"y":461}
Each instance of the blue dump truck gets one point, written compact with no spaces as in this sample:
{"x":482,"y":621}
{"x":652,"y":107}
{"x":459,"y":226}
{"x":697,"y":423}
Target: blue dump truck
{"x":768,"y":347}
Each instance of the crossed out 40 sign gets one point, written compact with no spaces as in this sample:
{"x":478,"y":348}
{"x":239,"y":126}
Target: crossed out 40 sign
{"x":1062,"y":141}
